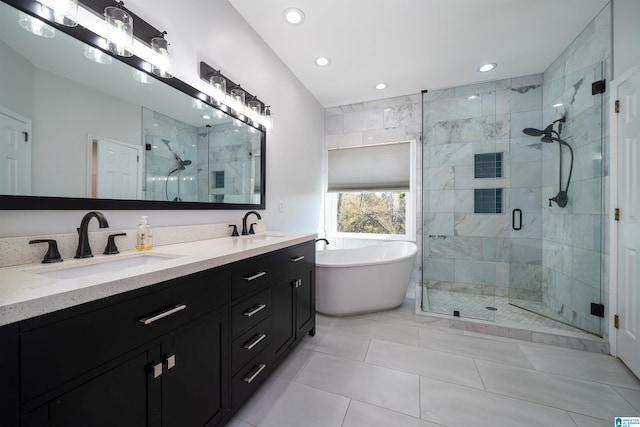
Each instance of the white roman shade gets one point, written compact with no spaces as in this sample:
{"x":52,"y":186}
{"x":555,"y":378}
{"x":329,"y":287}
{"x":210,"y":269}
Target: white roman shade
{"x":370,"y":168}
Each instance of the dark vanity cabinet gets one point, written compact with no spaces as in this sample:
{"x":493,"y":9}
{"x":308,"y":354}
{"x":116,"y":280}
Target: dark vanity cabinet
{"x":294,"y":298}
{"x":274,"y":306}
{"x":185,"y":352}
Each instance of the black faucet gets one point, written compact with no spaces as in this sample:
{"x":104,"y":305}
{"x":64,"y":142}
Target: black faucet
{"x":322,"y":240}
{"x":244,"y":222}
{"x":84,"y":250}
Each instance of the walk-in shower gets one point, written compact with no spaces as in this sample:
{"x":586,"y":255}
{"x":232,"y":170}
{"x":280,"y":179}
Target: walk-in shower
{"x":495,"y":247}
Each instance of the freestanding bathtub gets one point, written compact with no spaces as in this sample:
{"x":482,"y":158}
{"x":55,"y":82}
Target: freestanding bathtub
{"x":363,"y":280}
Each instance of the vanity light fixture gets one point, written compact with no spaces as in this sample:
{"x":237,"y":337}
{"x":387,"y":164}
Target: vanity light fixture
{"x":254,"y":110}
{"x":236,"y":100}
{"x":96,"y":55}
{"x":487,"y":67}
{"x":162,"y":65}
{"x":228,"y":97}
{"x":381,"y":86}
{"x":120,"y":38}
{"x":36,"y":26}
{"x":293,"y":16}
{"x":219,"y":84}
{"x":63,"y":12}
{"x":323,"y":61}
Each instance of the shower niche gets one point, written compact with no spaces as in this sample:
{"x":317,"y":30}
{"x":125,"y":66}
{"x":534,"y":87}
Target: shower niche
{"x":512,"y":220}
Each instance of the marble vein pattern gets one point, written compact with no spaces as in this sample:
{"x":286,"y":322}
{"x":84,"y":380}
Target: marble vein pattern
{"x":352,"y":373}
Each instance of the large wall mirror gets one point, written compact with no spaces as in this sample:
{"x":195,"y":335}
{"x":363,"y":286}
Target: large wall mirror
{"x":81,"y":134}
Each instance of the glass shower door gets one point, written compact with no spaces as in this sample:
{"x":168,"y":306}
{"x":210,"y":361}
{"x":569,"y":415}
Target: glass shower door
{"x":463,"y":208}
{"x":556,"y":241}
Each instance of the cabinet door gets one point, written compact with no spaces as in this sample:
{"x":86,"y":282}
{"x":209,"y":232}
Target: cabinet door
{"x":305,"y":303}
{"x":9,"y":375}
{"x":195,"y":377}
{"x":117,"y":397}
{"x":283,"y":314}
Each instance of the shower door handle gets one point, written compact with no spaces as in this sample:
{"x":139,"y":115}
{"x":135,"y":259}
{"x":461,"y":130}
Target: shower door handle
{"x":516,"y":213}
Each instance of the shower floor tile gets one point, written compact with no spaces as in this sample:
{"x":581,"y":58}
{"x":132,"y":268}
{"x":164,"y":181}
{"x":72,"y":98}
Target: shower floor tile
{"x":475,"y":307}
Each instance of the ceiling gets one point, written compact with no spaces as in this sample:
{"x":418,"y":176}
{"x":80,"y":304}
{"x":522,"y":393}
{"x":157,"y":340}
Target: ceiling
{"x":412,"y":45}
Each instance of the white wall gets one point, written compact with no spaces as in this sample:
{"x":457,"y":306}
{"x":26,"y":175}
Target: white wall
{"x":626,"y":35}
{"x":59,"y":150}
{"x":213,"y":31}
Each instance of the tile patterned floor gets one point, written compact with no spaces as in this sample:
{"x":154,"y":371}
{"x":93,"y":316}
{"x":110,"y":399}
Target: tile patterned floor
{"x":475,"y":307}
{"x":384,"y":369}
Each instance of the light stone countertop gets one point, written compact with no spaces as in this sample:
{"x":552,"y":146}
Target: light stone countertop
{"x":24,"y":293}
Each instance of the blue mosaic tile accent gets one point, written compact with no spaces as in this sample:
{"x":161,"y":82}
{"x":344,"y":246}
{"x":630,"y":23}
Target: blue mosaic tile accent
{"x":487,"y":200}
{"x":488,"y":165}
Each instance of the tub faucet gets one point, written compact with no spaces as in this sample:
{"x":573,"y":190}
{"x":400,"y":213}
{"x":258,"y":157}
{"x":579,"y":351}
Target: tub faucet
{"x":84,"y":250}
{"x":244,"y":222}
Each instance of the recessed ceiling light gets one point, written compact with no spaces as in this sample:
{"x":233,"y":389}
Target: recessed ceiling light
{"x":472,"y":97}
{"x":556,"y":105}
{"x":381,"y":86}
{"x":293,"y":16}
{"x":206,"y":117}
{"x":487,"y":67}
{"x":323,"y":61}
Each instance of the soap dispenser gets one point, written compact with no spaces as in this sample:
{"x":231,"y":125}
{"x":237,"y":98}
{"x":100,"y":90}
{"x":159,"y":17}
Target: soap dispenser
{"x":144,"y":236}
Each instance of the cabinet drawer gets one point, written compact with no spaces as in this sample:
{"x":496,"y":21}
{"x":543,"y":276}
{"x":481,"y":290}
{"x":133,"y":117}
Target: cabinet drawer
{"x":250,"y":378}
{"x":250,"y":311}
{"x":60,"y":351}
{"x":250,"y":343}
{"x":251,"y":274}
{"x":298,"y":258}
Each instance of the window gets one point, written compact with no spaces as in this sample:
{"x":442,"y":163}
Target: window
{"x":370,"y":191}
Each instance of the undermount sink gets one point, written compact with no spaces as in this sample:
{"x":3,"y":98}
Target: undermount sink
{"x":265,"y":237}
{"x":103,"y":267}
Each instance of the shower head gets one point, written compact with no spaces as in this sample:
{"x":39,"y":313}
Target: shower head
{"x":182,"y":163}
{"x":534,"y":132}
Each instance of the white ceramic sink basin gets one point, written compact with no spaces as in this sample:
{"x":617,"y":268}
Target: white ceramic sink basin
{"x":265,"y":237}
{"x":103,"y":267}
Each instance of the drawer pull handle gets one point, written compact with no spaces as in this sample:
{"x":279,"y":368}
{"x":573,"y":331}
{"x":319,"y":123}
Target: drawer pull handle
{"x":171,"y":361}
{"x":255,"y":342}
{"x":255,"y":276}
{"x":254,"y":373}
{"x":255,"y":310}
{"x":169,"y":312}
{"x":296,"y":283}
{"x":296,"y":259}
{"x":157,"y":370}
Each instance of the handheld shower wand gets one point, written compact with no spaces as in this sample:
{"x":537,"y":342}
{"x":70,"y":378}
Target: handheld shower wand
{"x":549,"y":135}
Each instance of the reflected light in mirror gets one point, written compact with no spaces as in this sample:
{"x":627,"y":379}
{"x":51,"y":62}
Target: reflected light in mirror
{"x":143,"y":77}
{"x":36,"y":26}
{"x":96,"y":55}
